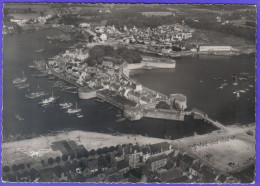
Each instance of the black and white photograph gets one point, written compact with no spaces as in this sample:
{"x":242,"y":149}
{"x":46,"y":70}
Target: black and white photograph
{"x":128,"y":93}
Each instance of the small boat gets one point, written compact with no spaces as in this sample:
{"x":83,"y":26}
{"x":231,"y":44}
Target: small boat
{"x":19,"y":80}
{"x":118,"y":115}
{"x":19,"y":117}
{"x":120,"y":120}
{"x":65,"y":105}
{"x":73,"y":111}
{"x":241,"y":91}
{"x":23,"y":85}
{"x":39,"y":50}
{"x":251,"y":86}
{"x":80,"y":116}
{"x":237,"y":95}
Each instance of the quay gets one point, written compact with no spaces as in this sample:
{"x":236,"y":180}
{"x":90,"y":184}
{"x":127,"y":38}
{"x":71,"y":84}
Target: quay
{"x":70,"y":81}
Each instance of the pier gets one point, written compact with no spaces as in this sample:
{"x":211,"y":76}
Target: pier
{"x":201,"y":115}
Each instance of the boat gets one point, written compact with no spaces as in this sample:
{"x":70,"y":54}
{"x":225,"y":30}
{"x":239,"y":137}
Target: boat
{"x":118,"y":115}
{"x":237,"y":95}
{"x":251,"y":86}
{"x":65,"y":105}
{"x":120,"y":120}
{"x":100,"y":100}
{"x":23,"y":85}
{"x":235,"y":83}
{"x":19,"y":117}
{"x":48,"y":100}
{"x":19,"y":80}
{"x":39,"y":50}
{"x":241,"y":91}
{"x":73,"y":111}
{"x":80,"y":116}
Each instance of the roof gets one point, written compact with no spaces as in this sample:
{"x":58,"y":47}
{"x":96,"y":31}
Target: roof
{"x":121,"y":165}
{"x":183,"y":179}
{"x":187,"y":159}
{"x":156,"y":158}
{"x":179,"y":97}
{"x":196,"y":167}
{"x":146,"y":150}
{"x":135,"y":147}
{"x":159,"y":147}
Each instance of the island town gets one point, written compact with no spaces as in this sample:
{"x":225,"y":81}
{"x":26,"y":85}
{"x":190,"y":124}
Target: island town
{"x":99,"y":66}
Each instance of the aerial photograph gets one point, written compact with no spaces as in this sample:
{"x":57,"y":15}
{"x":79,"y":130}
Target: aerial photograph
{"x":128,"y":93}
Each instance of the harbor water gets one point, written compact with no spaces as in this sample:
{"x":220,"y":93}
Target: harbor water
{"x":192,"y":77}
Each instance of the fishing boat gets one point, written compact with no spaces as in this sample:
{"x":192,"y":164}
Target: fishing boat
{"x":73,"y":111}
{"x":65,"y":105}
{"x":19,"y":117}
{"x":48,"y":100}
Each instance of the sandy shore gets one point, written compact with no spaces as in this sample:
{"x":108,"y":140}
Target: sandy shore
{"x":32,"y":150}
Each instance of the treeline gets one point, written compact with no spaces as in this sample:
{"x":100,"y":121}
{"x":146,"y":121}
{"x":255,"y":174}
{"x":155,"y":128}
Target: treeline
{"x":99,"y":52}
{"x":245,"y":32}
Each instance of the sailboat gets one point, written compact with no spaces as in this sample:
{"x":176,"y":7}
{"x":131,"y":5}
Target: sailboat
{"x":235,"y":83}
{"x":49,"y":100}
{"x":73,"y":111}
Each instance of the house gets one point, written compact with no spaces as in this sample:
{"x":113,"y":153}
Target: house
{"x":135,"y":156}
{"x":122,"y":166}
{"x":186,"y":162}
{"x":160,"y":148}
{"x":146,"y":153}
{"x":157,"y":162}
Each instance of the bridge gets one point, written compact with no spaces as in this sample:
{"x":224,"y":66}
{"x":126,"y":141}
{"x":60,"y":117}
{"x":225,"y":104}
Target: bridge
{"x":68,"y":80}
{"x":204,"y":116}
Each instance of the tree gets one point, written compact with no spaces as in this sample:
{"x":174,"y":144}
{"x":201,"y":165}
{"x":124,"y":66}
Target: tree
{"x":105,"y":150}
{"x":99,"y":151}
{"x":92,"y":152}
{"x":21,"y":166}
{"x":57,"y":159}
{"x":50,"y":161}
{"x":91,"y":61}
{"x":6,"y":169}
{"x":108,"y":158}
{"x":112,"y":148}
{"x":28,"y":165}
{"x":64,"y":157}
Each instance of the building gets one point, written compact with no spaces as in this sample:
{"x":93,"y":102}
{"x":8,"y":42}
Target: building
{"x":211,"y":48}
{"x":160,"y":148}
{"x":108,"y":64}
{"x":135,"y":156}
{"x":157,"y":162}
{"x":179,"y":101}
{"x":149,"y":14}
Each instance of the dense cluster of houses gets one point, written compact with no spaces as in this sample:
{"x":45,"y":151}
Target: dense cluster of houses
{"x":127,"y":163}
